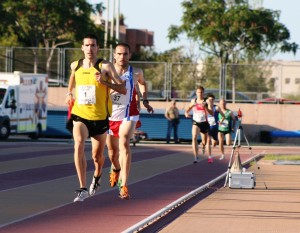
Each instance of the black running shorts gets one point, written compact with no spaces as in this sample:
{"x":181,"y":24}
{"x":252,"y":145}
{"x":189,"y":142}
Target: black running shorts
{"x":203,"y":126}
{"x":94,"y":127}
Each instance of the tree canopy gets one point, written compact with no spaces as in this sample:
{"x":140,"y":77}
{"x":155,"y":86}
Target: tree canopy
{"x":46,"y":23}
{"x":226,"y":30}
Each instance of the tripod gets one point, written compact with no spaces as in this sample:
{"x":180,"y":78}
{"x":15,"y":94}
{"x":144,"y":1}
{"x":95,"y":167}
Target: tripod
{"x":237,"y":144}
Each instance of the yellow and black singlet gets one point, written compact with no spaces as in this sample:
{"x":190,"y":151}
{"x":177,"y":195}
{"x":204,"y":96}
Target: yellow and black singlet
{"x":92,"y":100}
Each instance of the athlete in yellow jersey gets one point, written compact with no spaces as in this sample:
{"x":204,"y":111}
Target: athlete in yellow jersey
{"x":87,"y":97}
{"x":92,"y":79}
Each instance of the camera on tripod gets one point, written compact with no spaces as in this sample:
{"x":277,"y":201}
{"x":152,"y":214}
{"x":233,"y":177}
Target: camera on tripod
{"x":238,"y":178}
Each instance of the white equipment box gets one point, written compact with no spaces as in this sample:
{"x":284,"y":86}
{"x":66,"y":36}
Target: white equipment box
{"x":242,"y":180}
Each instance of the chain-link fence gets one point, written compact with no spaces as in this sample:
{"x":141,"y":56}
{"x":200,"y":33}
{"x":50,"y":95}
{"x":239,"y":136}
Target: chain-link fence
{"x":244,"y":83}
{"x":156,"y":75}
{"x":166,"y":81}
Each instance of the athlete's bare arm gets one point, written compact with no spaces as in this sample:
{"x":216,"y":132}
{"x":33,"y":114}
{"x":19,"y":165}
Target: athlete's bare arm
{"x":221,"y":112}
{"x":111,"y":72}
{"x":138,"y":98}
{"x":189,"y":108}
{"x":210,"y":111}
{"x":69,"y":97}
{"x":139,"y":78}
{"x":108,"y":72}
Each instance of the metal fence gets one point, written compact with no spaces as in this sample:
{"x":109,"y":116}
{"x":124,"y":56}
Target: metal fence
{"x":166,"y":81}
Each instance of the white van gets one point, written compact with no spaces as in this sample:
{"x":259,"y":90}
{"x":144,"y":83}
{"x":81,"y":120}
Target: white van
{"x":23,"y":104}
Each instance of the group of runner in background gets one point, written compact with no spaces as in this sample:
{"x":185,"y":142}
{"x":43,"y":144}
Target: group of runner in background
{"x":213,"y":123}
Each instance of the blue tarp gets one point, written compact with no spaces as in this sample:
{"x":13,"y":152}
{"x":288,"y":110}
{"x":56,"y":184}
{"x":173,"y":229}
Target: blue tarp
{"x":280,"y":133}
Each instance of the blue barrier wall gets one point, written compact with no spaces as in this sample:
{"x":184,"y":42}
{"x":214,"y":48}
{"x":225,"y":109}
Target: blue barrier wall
{"x":56,"y":124}
{"x":155,"y":125}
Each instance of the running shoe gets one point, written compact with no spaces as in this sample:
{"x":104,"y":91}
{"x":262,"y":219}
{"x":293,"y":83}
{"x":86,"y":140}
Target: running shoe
{"x":222,"y":157}
{"x":196,"y":160}
{"x":124,"y":193}
{"x":113,"y":178}
{"x":210,"y":160}
{"x":94,"y":186}
{"x":81,"y":195}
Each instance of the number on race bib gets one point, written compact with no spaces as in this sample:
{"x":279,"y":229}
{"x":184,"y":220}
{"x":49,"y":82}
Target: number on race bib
{"x":86,"y":94}
{"x":116,"y":98}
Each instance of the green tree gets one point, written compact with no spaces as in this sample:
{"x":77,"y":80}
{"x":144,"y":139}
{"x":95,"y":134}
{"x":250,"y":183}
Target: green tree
{"x":229,"y":31}
{"x":100,"y":8}
{"x":48,"y":23}
{"x":7,"y":38}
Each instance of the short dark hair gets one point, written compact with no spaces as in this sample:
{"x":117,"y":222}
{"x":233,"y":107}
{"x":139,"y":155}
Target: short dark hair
{"x":90,"y":36}
{"x":208,"y":95}
{"x":124,"y":45}
{"x":201,"y":88}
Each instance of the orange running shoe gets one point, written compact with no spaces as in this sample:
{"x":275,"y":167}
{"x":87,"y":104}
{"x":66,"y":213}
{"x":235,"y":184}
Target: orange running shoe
{"x":114,"y":177}
{"x":124,"y":193}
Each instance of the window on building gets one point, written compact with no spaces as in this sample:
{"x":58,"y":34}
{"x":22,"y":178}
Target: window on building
{"x":297,"y":80}
{"x":287,"y":80}
{"x":272,"y":83}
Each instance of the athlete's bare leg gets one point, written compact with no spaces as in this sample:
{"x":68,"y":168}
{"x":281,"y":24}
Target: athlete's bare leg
{"x":126,"y":131}
{"x":228,"y":139}
{"x":221,"y":144}
{"x":208,"y":145}
{"x":98,"y":144}
{"x":214,"y":142}
{"x":112,"y":143}
{"x":203,"y":141}
{"x":195,"y":133}
{"x":80,"y":134}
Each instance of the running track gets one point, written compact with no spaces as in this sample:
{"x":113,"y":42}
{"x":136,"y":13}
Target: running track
{"x":38,"y":179}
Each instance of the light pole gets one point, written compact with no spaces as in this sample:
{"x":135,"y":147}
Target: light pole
{"x":112,"y":29}
{"x":106,"y":25}
{"x":118,"y":20}
{"x":115,"y":11}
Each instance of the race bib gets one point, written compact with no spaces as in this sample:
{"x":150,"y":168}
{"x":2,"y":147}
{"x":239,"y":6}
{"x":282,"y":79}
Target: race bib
{"x":211,"y":120}
{"x":224,"y":124}
{"x":115,"y":98}
{"x":119,"y":99}
{"x":199,"y":116}
{"x":86,"y":94}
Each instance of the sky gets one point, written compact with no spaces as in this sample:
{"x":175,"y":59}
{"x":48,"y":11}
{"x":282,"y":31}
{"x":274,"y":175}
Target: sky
{"x":159,"y":15}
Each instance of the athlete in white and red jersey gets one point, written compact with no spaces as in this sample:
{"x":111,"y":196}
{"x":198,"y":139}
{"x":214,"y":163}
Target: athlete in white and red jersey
{"x":200,"y":122}
{"x":125,"y":107}
{"x":124,"y":118}
{"x":121,"y":104}
{"x":199,"y":112}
